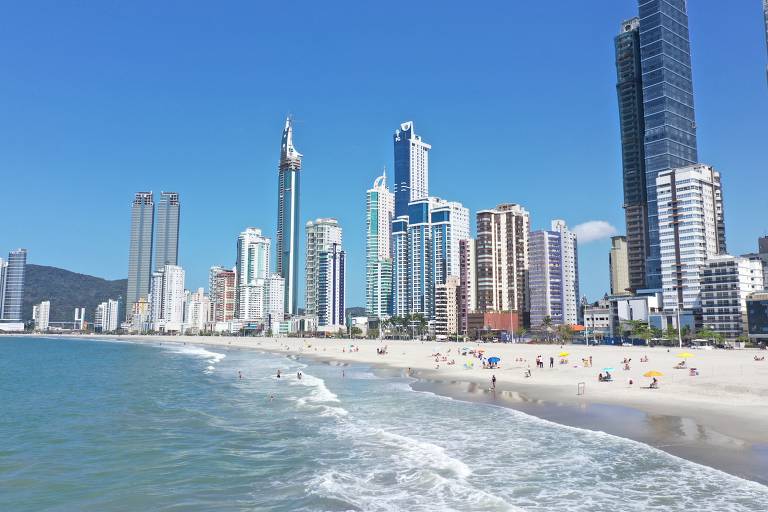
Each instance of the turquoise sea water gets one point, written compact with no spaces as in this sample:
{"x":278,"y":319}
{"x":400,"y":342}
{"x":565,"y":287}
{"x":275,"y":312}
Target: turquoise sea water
{"x":108,"y":426}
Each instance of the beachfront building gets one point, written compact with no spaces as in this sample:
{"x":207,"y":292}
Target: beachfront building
{"x":400,"y":266}
{"x":597,"y":318}
{"x":618,"y":263}
{"x":197,"y":310}
{"x":629,"y":89}
{"x":726,"y":283}
{"x":140,"y":249}
{"x":222,"y":289}
{"x":167,"y":299}
{"x":553,"y":278}
{"x":167,"y":230}
{"x":447,"y":307}
{"x":12,"y":290}
{"x":379,"y":213}
{"x":691,"y":230}
{"x":762,"y":257}
{"x":105,"y":318}
{"x":252,"y":268}
{"x":668,"y":109}
{"x":502,"y":259}
{"x":322,"y":235}
{"x":757,"y":317}
{"x":411,"y":168}
{"x":141,"y":316}
{"x":288,"y":222}
{"x":467,"y":281}
{"x":449,"y":221}
{"x":41,"y":314}
{"x":624,"y":310}
{"x":331,"y":287}
{"x":275,"y":300}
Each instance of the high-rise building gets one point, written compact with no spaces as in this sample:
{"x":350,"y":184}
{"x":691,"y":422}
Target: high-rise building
{"x":140,"y":250}
{"x":420,"y":270}
{"x":400,"y":266}
{"x":447,"y":307}
{"x":222,"y":289}
{"x":331,"y":288}
{"x":450,"y":225}
{"x":253,"y":250}
{"x":275,"y":300}
{"x":726,"y":283}
{"x":554,"y":278}
{"x":322,"y":235}
{"x":167,"y":299}
{"x":288,"y":188}
{"x":411,"y":167}
{"x":167,"y":230}
{"x":502,"y":259}
{"x":3,"y":272}
{"x":691,"y":230}
{"x":618,"y":263}
{"x":467,"y":282}
{"x":629,"y":89}
{"x":105,"y":319}
{"x":380,"y":208}
{"x":197,"y":310}
{"x":41,"y":314}
{"x":765,"y":17}
{"x":13,"y":286}
{"x":761,"y":256}
{"x":668,"y":109}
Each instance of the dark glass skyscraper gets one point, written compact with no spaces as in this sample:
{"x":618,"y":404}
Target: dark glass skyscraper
{"x":629,"y":89}
{"x":140,"y":250}
{"x":12,"y":286}
{"x":411,"y":168}
{"x":167,"y":233}
{"x":288,"y":187}
{"x":670,"y":126}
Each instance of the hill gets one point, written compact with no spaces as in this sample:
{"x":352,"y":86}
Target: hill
{"x":68,"y":290}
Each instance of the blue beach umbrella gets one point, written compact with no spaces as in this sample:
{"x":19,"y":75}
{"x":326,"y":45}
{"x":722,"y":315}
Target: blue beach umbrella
{"x":494,"y":359}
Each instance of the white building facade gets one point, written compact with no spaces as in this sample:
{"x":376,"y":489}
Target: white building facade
{"x":380,"y":210}
{"x":554,"y":279}
{"x":322,"y":234}
{"x":167,"y":299}
{"x":252,"y":269}
{"x":726,"y":282}
{"x":41,"y":314}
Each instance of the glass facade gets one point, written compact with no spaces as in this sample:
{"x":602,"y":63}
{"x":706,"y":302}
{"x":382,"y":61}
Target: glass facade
{"x":288,"y":186}
{"x":167,"y":234}
{"x":13,"y":286}
{"x":668,"y":110}
{"x":140,"y":250}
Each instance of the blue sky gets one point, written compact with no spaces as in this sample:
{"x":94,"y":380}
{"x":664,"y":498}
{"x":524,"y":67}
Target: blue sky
{"x":102,"y":99}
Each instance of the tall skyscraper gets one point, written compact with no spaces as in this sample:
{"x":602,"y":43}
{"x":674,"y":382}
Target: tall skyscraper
{"x":222,"y":289}
{"x":380,"y":208}
{"x":467,"y":282}
{"x":421,"y":284}
{"x":618,"y":263}
{"x":629,"y":88}
{"x":13,"y":286}
{"x":288,"y":188}
{"x":167,"y":232}
{"x":411,"y":168}
{"x":668,"y":109}
{"x":322,"y":235}
{"x":167,"y":305}
{"x":400,"y":265}
{"x":691,"y":230}
{"x":331,"y":287}
{"x":3,"y":272}
{"x":140,"y":250}
{"x":554,"y":278}
{"x":502,"y":259}
{"x":253,"y":250}
{"x":765,"y":17}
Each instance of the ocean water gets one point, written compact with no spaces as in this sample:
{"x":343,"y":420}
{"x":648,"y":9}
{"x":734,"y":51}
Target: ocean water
{"x":113,"y":426}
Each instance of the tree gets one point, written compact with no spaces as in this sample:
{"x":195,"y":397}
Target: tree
{"x":547,"y":324}
{"x":565,"y":332}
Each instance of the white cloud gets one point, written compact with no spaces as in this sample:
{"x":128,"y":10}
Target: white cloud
{"x":594,"y":230}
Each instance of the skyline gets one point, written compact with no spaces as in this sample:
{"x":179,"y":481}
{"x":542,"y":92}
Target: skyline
{"x":729,"y":139}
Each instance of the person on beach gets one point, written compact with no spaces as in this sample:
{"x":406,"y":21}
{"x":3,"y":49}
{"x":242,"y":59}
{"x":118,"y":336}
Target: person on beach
{"x":551,"y":362}
{"x":493,"y":382}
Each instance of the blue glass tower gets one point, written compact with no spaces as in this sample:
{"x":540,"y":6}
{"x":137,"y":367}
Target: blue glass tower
{"x":288,"y":187}
{"x":411,"y":168}
{"x":670,"y":126}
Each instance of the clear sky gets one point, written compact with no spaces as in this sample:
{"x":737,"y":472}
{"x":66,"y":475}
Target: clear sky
{"x":102,"y":99}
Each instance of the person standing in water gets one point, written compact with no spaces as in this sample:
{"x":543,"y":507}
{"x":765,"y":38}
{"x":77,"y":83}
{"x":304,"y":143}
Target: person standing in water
{"x":298,"y":375}
{"x":278,"y":374}
{"x":240,"y":374}
{"x":493,"y":382}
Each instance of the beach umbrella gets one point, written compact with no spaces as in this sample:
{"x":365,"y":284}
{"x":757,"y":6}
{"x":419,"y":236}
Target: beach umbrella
{"x":652,"y":373}
{"x":564,"y":354}
{"x":685,"y":355}
{"x":494,"y":359}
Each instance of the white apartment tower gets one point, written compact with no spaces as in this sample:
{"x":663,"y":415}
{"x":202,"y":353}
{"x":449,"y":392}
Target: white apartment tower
{"x":726,"y":282}
{"x":41,"y":314}
{"x":105,"y":318}
{"x":380,"y":210}
{"x":252,"y":269}
{"x":691,"y":230}
{"x":322,"y":235}
{"x":167,"y":299}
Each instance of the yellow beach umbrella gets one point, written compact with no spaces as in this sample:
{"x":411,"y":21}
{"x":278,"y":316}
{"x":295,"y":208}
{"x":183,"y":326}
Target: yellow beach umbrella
{"x":564,"y":354}
{"x":652,"y":373}
{"x":685,"y":355}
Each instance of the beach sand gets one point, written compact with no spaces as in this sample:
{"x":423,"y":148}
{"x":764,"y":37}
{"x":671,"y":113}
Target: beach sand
{"x":718,"y":418}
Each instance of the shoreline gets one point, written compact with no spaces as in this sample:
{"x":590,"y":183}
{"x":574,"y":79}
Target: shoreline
{"x":731,"y":436}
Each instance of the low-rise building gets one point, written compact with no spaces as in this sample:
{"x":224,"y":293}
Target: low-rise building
{"x":757,"y":317}
{"x":726,"y":282}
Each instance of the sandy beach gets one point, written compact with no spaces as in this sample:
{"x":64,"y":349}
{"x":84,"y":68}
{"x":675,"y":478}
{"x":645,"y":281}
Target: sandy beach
{"x":718,"y":417}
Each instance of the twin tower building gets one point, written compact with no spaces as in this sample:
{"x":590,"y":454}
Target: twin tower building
{"x":423,"y":264}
